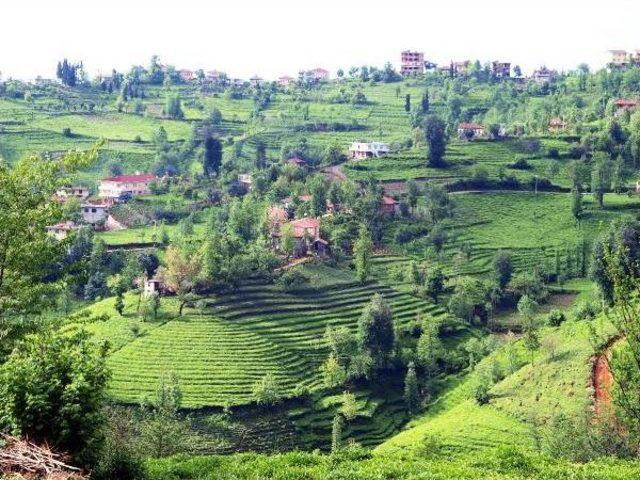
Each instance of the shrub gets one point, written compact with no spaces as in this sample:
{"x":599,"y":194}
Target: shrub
{"x":293,"y":279}
{"x":585,"y":311}
{"x":406,"y":233}
{"x":137,"y":139}
{"x":554,"y":153}
{"x":520,"y":164}
{"x":555,"y":318}
{"x":266,"y":391}
{"x":66,"y":131}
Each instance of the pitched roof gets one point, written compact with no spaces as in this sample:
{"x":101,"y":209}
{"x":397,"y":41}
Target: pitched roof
{"x":296,"y":160}
{"x":144,"y":177}
{"x":277,"y":214}
{"x":68,"y":225}
{"x":625,"y":102}
{"x":306,"y":223}
{"x":389,"y":201}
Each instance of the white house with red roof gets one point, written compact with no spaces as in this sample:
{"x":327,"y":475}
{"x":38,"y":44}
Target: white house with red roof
{"x":136,"y":184}
{"x":468,"y":131}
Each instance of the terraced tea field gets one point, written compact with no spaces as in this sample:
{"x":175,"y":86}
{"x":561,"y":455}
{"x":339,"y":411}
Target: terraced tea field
{"x":219,"y":351}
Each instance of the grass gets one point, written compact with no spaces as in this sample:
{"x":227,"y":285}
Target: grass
{"x":221,"y":350}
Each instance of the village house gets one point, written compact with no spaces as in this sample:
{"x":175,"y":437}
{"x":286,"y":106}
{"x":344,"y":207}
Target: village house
{"x":621,"y":59}
{"x":61,"y":230}
{"x":136,"y":184}
{"x":286,"y":81}
{"x":544,"y":75}
{"x":411,"y":63}
{"x":186,"y":75}
{"x":77,"y":191}
{"x":390,"y":206}
{"x":469,"y":131}
{"x":214,"y":76}
{"x":624,"y":104}
{"x":557,"y":125}
{"x":368,"y":149}
{"x":320,"y":75}
{"x":256,"y":81}
{"x":95,"y":213}
{"x":501,"y":69}
{"x":246,"y":180}
{"x":153,"y":286}
{"x":306,"y":227}
{"x":456,"y":69}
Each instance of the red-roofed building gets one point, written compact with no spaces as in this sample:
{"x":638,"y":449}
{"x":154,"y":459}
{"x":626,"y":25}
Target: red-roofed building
{"x":306,"y":227}
{"x":186,"y":75}
{"x":277,"y":215}
{"x":557,"y":125}
{"x":469,"y":131}
{"x":137,"y":184}
{"x":390,"y":206}
{"x":624,"y":104}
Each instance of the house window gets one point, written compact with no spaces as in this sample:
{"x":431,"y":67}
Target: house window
{"x":93,"y":210}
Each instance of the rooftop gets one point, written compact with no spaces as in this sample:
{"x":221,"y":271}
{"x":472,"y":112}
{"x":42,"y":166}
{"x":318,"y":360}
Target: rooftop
{"x":138,"y":177}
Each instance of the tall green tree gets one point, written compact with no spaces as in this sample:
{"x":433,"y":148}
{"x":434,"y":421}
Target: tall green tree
{"x":407,"y":102}
{"x":376,"y":334}
{"x":362,"y":254}
{"x":212,"y":157}
{"x":411,"y":390}
{"x":576,"y":203}
{"x":502,"y":268}
{"x":436,"y":137}
{"x":53,"y":389}
{"x":26,"y":251}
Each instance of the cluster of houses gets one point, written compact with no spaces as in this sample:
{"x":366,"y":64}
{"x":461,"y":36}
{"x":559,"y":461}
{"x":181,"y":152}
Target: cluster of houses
{"x":414,"y":63}
{"x":95,"y":211}
{"x":621,"y":59}
{"x":314,"y":75}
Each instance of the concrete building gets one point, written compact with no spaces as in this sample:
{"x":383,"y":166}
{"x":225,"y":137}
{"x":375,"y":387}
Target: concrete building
{"x":137,"y":184}
{"x":368,"y":149}
{"x":469,"y":131}
{"x":411,"y":63}
{"x":61,"y":230}
{"x":95,"y":213}
{"x":544,"y":75}
{"x":501,"y":69}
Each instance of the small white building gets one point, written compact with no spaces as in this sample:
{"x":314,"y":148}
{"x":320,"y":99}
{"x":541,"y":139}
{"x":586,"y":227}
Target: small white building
{"x":61,"y":230}
{"x":94,"y":213}
{"x":77,"y":191}
{"x":246,"y":179}
{"x":152,"y":286}
{"x":137,"y":184}
{"x":368,"y":149}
